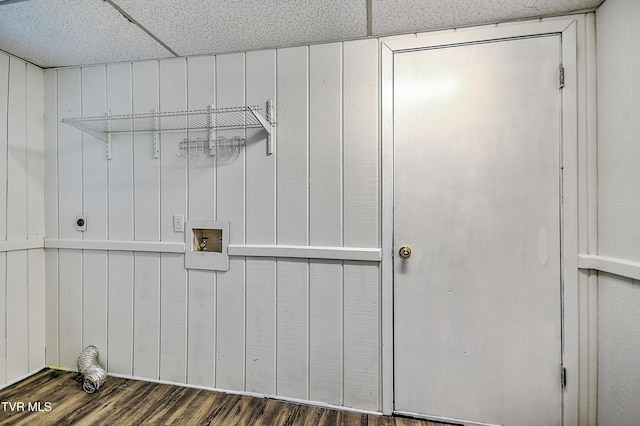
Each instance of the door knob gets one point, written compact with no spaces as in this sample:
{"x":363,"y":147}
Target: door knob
{"x":405,"y":252}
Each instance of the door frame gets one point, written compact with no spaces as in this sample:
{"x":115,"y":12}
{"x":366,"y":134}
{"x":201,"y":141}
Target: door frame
{"x":578,"y":232}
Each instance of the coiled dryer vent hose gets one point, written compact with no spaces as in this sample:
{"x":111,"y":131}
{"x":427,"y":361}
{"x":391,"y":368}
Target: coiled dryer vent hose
{"x":92,"y":374}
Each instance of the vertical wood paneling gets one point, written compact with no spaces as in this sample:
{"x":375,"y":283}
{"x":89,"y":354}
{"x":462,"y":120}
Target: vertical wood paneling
{"x":94,"y":165}
{"x":17,"y":311}
{"x":325,"y":144}
{"x":201,"y":349}
{"x":95,"y":207}
{"x":120,"y":194}
{"x":51,"y":155}
{"x":15,"y":279}
{"x":69,"y":153}
{"x":201,"y":198}
{"x":260,"y":229}
{"x":4,"y":109}
{"x":361,"y":145}
{"x":17,"y":151}
{"x":4,"y":106}
{"x":292,"y":300}
{"x":173,"y":277}
{"x":120,"y":308}
{"x":261,"y":326}
{"x":95,"y":273}
{"x":51,"y":212}
{"x":619,"y":365}
{"x":361,"y":224}
{"x":173,"y":176}
{"x":293,"y":149}
{"x":261,"y":168}
{"x":146,"y":319}
{"x":146,"y":168}
{"x":52,"y":307}
{"x":22,"y":178}
{"x":361,"y":335}
{"x":618,"y":158}
{"x":201,"y":94}
{"x":173,"y":318}
{"x":120,"y":225}
{"x":69,"y":306}
{"x":70,"y":204}
{"x":37,"y":308}
{"x":289,"y":327}
{"x":618,"y":62}
{"x":35,"y":152}
{"x":146,"y":180}
{"x":325,"y":221}
{"x":325,"y":331}
{"x":3,"y":318}
{"x":292,"y":378}
{"x":230,"y":191}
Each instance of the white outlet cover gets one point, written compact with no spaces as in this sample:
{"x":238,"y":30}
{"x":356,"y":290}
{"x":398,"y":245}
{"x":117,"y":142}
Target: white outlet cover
{"x":178,"y":223}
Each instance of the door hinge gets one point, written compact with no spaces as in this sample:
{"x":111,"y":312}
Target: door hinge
{"x":563,"y":377}
{"x":561,"y":76}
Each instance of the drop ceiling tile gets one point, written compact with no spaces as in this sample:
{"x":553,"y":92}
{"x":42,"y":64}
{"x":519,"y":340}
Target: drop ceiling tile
{"x":192,"y":27}
{"x":406,"y":16}
{"x":53,"y":33}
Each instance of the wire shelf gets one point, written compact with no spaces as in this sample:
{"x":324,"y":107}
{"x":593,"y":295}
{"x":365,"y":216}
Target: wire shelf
{"x":199,"y":119}
{"x":212,"y":119}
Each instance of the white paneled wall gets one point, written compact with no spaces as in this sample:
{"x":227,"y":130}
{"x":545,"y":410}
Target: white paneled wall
{"x":306,"y":329}
{"x":22,"y":299}
{"x":618,"y":206}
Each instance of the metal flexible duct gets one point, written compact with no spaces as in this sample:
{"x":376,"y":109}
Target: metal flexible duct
{"x":92,"y":374}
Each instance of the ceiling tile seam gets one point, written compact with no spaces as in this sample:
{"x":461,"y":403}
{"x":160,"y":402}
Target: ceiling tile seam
{"x":142,"y":27}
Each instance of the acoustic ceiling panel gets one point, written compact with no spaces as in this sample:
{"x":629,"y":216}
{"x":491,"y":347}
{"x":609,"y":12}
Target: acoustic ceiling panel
{"x":192,"y":27}
{"x":405,"y":16}
{"x":53,"y":33}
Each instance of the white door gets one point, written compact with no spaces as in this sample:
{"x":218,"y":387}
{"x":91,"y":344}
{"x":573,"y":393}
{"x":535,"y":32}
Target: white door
{"x":477,"y":305}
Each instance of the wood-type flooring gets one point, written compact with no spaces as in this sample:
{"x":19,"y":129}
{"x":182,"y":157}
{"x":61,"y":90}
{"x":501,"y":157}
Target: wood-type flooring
{"x":54,"y":397}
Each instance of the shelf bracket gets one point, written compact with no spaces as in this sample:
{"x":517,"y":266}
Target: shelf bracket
{"x":108,"y":136}
{"x":103,"y":136}
{"x":156,"y":146}
{"x":212,"y":131}
{"x":266,"y":122}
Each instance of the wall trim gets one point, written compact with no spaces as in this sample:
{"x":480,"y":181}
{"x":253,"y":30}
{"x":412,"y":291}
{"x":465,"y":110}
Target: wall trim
{"x":16,"y":245}
{"x":119,"y":245}
{"x":610,"y":265}
{"x":247,"y":250}
{"x":309,"y":252}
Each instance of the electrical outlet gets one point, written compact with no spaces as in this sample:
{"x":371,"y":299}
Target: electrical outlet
{"x":81,"y":222}
{"x":178,"y":223}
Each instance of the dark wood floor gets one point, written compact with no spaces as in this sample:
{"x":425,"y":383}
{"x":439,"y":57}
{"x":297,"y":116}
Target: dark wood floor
{"x":53,"y":397}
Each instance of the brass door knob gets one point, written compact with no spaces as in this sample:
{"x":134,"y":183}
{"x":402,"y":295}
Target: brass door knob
{"x":405,"y":252}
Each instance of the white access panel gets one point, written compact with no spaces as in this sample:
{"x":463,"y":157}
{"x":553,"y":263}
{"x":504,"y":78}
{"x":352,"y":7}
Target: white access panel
{"x":477,"y":305}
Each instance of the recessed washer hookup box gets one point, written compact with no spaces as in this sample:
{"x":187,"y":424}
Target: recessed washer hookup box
{"x":206,"y":244}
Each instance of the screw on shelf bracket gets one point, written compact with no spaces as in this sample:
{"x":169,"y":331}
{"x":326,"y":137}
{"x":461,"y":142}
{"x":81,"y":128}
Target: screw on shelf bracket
{"x":108,"y":138}
{"x":212,"y":130}
{"x":156,"y":131}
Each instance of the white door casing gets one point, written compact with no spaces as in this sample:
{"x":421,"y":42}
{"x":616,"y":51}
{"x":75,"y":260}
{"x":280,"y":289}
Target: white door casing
{"x":566,"y":29}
